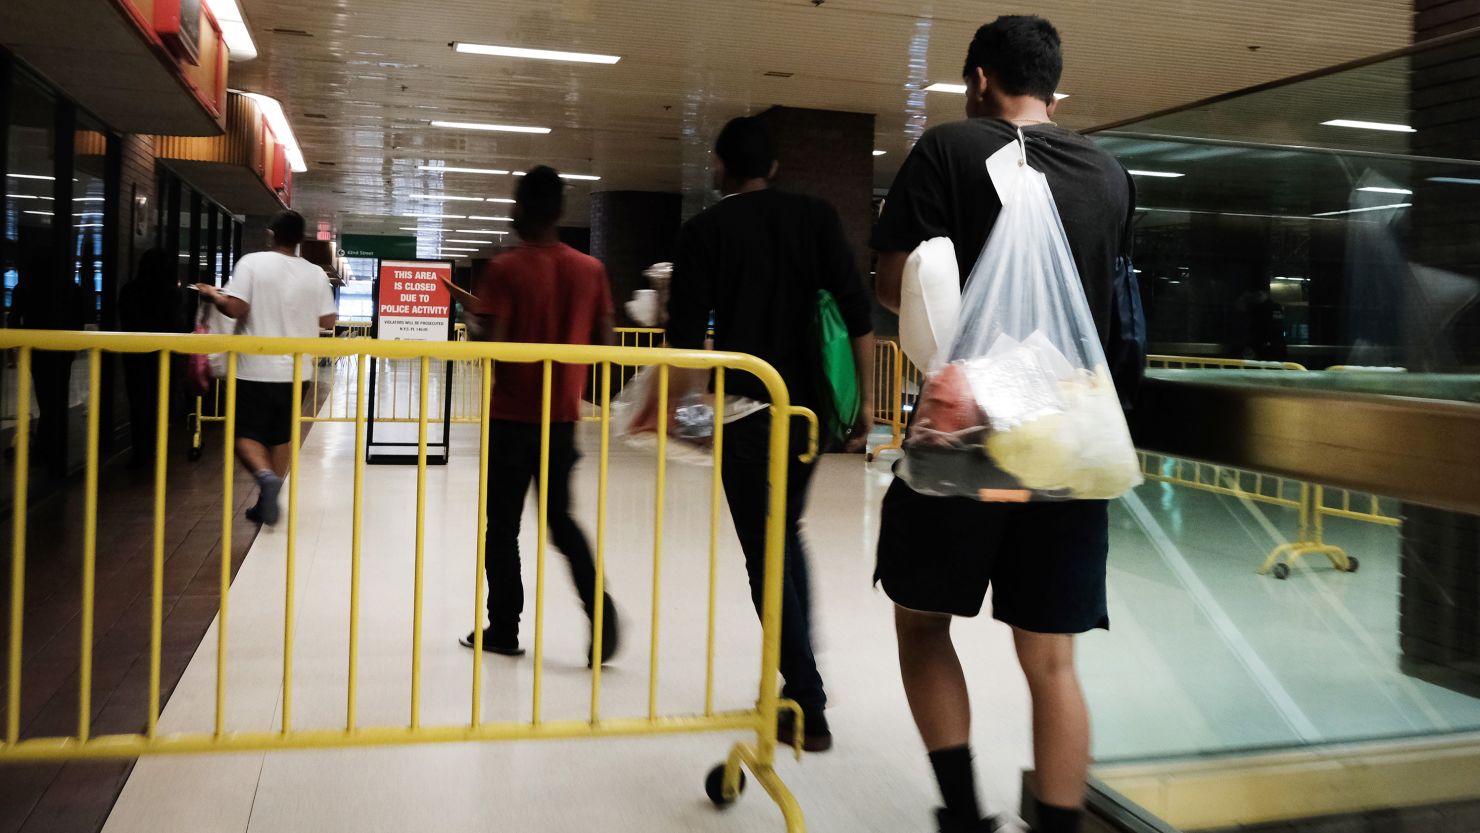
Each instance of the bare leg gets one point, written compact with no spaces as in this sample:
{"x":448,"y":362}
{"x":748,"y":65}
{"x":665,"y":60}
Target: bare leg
{"x":1060,"y":717}
{"x":281,"y":456}
{"x":933,"y":680}
{"x":254,"y":455}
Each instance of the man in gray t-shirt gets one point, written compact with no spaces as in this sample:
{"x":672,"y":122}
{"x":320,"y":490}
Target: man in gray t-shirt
{"x":275,"y":294}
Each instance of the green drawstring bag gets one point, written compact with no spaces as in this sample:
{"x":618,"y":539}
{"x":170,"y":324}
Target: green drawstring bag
{"x":841,"y":399}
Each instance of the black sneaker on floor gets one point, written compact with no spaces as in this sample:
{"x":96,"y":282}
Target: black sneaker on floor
{"x":267,"y":500}
{"x":494,"y":645}
{"x":254,"y":515}
{"x":611,"y":640}
{"x":817,"y":738}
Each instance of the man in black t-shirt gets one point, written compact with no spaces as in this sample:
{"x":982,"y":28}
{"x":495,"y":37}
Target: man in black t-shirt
{"x":1045,"y":562}
{"x":755,"y":262}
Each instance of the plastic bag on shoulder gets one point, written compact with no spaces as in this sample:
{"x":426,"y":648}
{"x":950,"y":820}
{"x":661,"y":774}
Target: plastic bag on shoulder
{"x":1026,"y":408}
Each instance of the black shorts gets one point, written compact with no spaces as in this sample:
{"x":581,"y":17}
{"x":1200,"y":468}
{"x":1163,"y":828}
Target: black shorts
{"x":264,"y":412}
{"x":1045,"y":562}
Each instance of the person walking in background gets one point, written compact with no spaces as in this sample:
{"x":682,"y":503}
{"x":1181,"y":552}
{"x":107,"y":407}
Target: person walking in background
{"x":274,"y":294}
{"x":1045,"y":562}
{"x":47,"y":297}
{"x":150,"y":303}
{"x":756,"y":262}
{"x":544,"y":292}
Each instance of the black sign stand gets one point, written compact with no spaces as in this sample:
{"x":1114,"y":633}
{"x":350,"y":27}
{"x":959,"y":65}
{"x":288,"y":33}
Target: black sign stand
{"x":437,"y":452}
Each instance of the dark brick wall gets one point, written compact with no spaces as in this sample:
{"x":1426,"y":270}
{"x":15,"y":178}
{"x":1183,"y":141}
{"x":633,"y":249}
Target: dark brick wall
{"x":1439,"y":620}
{"x":630,"y":231}
{"x":136,"y":226}
{"x":1435,"y":18}
{"x":1445,"y":102}
{"x":830,"y":155}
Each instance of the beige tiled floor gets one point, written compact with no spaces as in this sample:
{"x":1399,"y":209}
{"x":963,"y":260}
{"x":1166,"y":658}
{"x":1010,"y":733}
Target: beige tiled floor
{"x":875,"y":780}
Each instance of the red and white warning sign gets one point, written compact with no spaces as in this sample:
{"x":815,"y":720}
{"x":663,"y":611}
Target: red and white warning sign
{"x":415,"y":303}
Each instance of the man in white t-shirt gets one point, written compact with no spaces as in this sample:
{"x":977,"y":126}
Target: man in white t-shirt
{"x":279,"y":295}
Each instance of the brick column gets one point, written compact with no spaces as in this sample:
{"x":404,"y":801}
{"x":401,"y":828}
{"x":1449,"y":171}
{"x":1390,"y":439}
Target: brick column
{"x":829,"y":154}
{"x":630,"y":231}
{"x":1439,"y":619}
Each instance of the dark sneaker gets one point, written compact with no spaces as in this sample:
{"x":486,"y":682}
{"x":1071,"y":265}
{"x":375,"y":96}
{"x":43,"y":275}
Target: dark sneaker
{"x":267,"y":501}
{"x":254,"y":515}
{"x":950,"y":824}
{"x":494,"y":645}
{"x":611,"y":640}
{"x":818,"y":737}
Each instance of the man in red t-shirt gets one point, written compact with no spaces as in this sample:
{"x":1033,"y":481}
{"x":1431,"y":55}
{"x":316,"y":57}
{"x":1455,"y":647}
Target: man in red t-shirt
{"x":541,"y":292}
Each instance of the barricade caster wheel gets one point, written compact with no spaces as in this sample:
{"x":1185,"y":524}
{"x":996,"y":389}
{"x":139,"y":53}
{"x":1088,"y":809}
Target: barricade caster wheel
{"x":1352,"y":564}
{"x":1282,"y":571}
{"x":714,"y":787}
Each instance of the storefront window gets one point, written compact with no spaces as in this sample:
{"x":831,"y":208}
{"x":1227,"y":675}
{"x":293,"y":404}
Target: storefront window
{"x":89,"y":209}
{"x":356,"y":298}
{"x":30,"y":187}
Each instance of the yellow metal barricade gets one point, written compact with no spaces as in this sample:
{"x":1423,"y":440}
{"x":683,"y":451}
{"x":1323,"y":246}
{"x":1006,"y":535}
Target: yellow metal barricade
{"x":625,"y":337}
{"x":1203,"y":363}
{"x":896,"y":389}
{"x":1313,"y":503}
{"x":724,"y":782}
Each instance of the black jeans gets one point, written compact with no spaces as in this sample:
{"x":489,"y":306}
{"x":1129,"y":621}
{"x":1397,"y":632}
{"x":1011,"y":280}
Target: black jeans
{"x":51,"y":374}
{"x":141,"y":380}
{"x":746,"y":475}
{"x":514,"y":463}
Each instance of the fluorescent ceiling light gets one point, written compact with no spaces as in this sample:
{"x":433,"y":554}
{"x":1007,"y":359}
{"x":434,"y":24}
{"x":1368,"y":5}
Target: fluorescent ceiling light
{"x":960,"y":89}
{"x":1373,"y":189}
{"x":1454,"y":180}
{"x":437,"y":216}
{"x":1158,"y":174}
{"x":479,"y":242}
{"x":27,"y":197}
{"x":498,"y":128}
{"x":444,"y":197}
{"x":1369,"y":125}
{"x":582,"y":177}
{"x":234,"y":29}
{"x":1364,"y":210}
{"x":89,"y":225}
{"x":31,"y":176}
{"x":444,"y":169}
{"x":413,"y":228}
{"x":457,"y":249}
{"x":38,"y":213}
{"x":880,"y":152}
{"x":81,"y":199}
{"x":490,"y":219}
{"x":272,"y":109}
{"x":478,"y":231}
{"x":500,"y":199}
{"x":537,"y":54}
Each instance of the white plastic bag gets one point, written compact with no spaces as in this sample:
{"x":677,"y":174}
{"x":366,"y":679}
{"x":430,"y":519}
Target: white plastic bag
{"x":690,"y":433}
{"x":1026,"y":408}
{"x":212,"y":322}
{"x":929,"y":303}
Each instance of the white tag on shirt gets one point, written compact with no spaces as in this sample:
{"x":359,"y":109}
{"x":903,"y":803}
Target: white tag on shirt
{"x":1003,"y":168}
